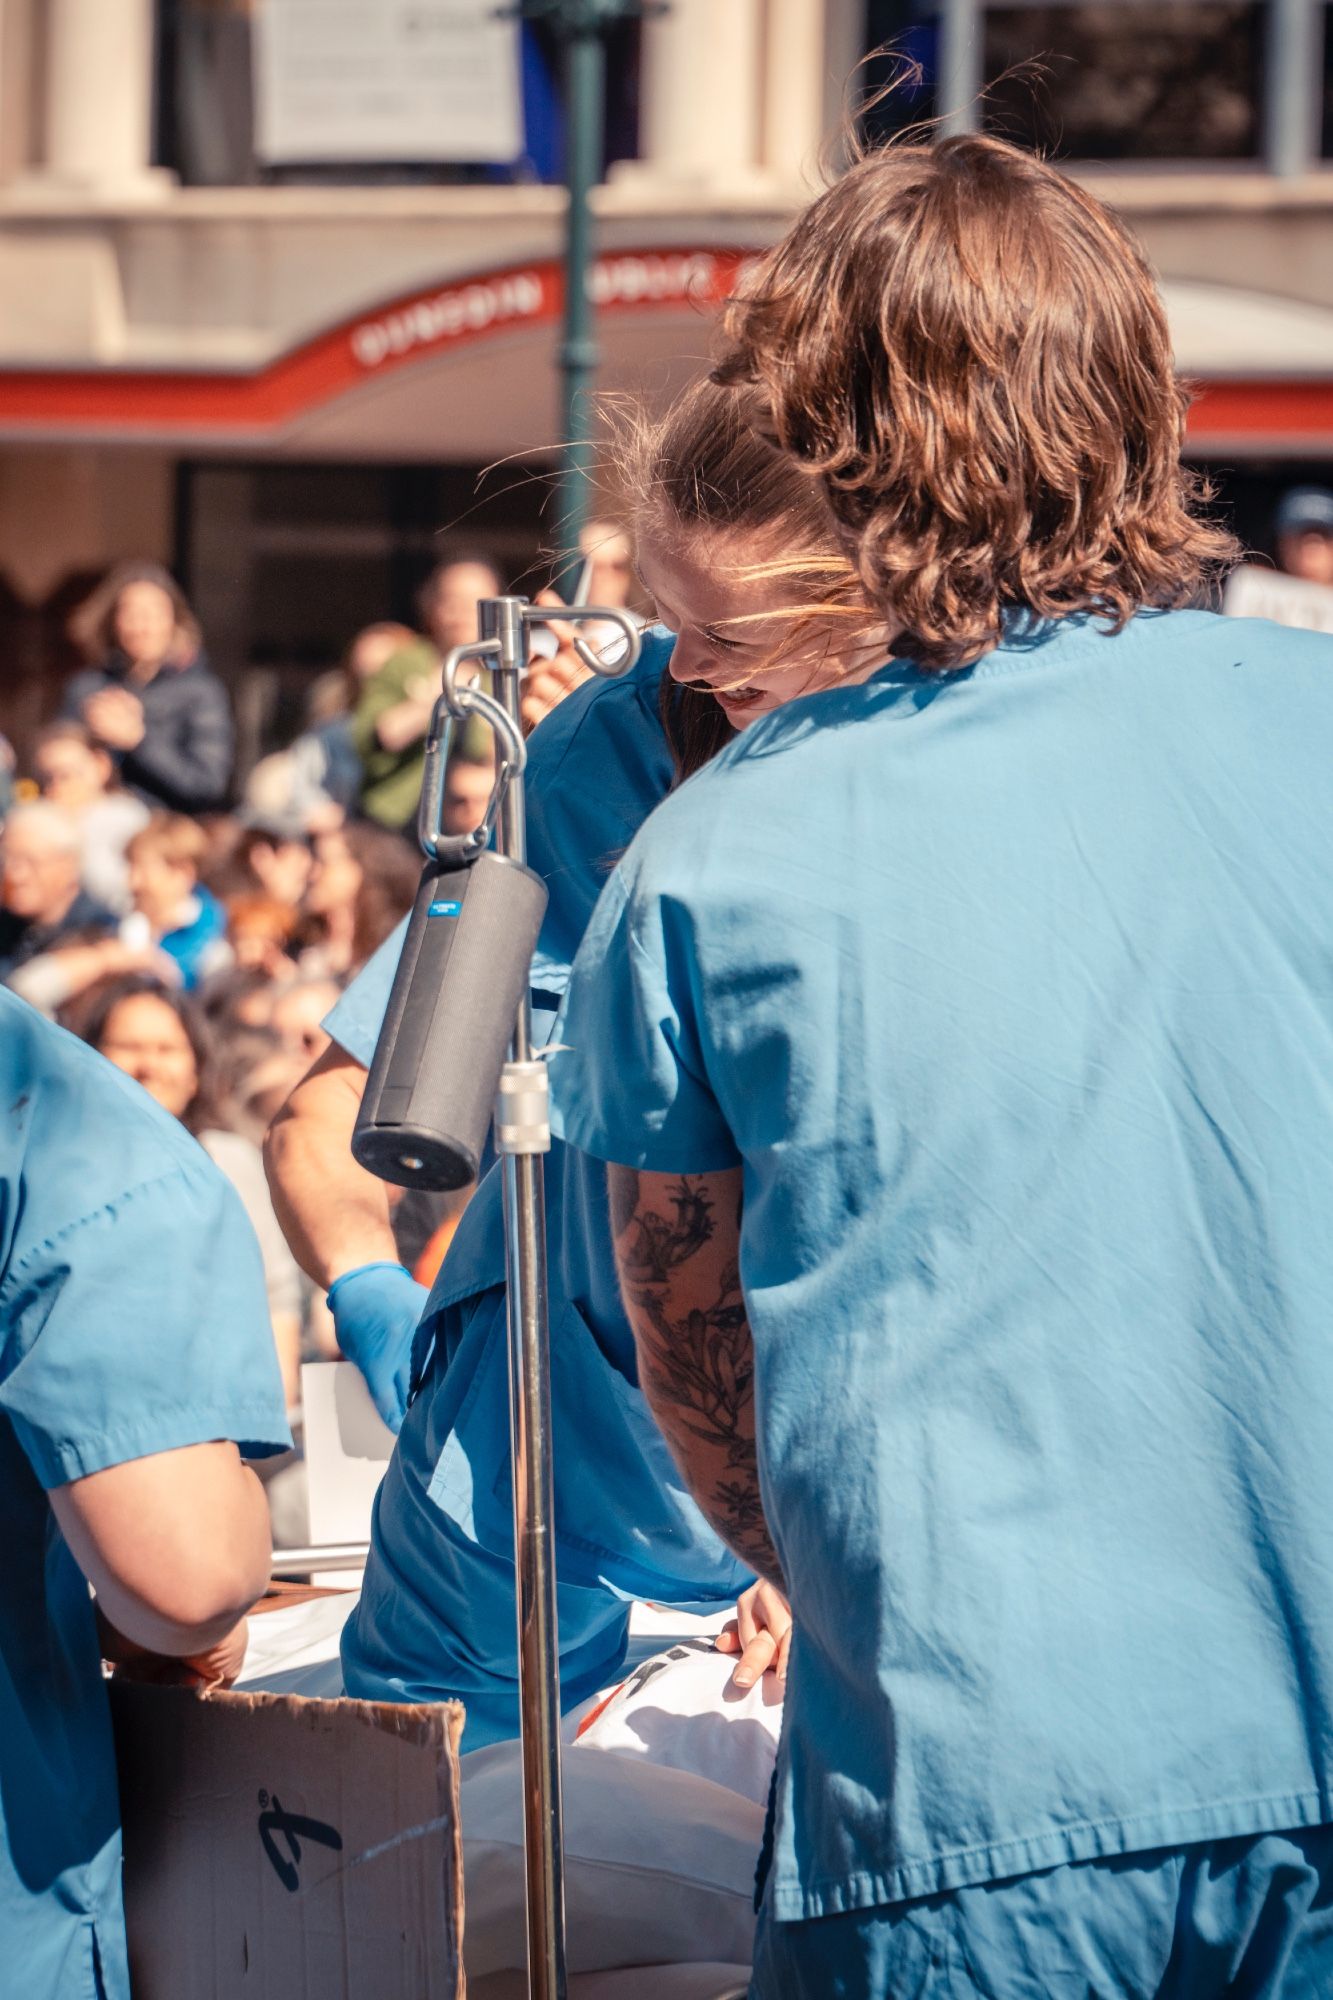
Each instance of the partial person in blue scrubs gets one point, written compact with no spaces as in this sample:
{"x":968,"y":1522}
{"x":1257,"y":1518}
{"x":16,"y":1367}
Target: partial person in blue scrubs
{"x":135,"y":1357}
{"x":436,"y":1615}
{"x":963,"y":1040}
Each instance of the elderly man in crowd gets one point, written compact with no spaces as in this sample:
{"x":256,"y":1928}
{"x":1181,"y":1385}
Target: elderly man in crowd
{"x":42,"y":901}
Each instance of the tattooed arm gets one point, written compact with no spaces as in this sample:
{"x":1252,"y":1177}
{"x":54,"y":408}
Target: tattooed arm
{"x":678,"y":1256}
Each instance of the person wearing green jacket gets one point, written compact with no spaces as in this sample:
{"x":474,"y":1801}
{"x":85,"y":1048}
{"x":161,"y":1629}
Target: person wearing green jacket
{"x":393,"y":715}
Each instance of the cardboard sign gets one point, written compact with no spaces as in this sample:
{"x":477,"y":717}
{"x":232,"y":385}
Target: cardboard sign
{"x":278,"y":1848}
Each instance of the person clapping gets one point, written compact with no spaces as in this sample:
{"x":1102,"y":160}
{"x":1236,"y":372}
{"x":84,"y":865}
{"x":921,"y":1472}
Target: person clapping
{"x":152,"y":700}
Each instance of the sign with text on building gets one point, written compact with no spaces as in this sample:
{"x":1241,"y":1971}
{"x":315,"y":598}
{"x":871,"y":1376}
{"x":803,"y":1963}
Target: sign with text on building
{"x":431,"y":81}
{"x":507,"y":306}
{"x":488,"y":304}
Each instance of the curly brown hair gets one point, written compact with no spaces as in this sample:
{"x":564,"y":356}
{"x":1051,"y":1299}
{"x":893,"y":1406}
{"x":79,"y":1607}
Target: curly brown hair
{"x":968,"y":352}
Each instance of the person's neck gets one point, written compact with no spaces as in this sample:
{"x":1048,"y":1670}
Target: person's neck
{"x":872,"y":653}
{"x":143,"y":671}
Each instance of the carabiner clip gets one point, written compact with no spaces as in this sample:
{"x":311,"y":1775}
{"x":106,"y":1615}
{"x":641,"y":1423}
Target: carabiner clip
{"x":456,"y":704}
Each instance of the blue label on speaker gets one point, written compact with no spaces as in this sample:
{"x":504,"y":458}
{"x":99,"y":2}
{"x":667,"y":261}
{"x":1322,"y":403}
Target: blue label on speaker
{"x":445,"y":909}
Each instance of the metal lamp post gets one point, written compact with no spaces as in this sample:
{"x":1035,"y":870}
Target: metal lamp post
{"x":581,"y":26}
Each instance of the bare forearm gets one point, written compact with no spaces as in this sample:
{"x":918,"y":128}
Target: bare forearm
{"x":55,"y":977}
{"x":175,"y":1545}
{"x":724,"y":1484}
{"x":677,"y":1250}
{"x":334,"y":1214}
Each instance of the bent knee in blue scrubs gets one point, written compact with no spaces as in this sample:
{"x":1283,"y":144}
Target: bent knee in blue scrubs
{"x":436,"y":1615}
{"x":463,"y":1647}
{"x":1248,"y":1917}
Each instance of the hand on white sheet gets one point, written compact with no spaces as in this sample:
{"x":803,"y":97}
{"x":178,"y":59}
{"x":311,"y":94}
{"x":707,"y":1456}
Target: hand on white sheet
{"x":760,"y":1632}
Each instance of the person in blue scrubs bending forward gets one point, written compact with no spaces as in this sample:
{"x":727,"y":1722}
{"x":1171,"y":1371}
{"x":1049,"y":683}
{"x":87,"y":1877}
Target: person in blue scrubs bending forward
{"x":135,"y":1356}
{"x":436,"y":1615}
{"x":962,"y":1038}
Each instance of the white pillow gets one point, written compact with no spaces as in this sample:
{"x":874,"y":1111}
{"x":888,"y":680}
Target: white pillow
{"x":659,"y":1865}
{"x":680,"y":1710}
{"x":665,"y":1786}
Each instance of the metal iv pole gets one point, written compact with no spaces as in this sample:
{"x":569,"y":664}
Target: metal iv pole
{"x":441,"y":1078}
{"x":414,"y":1133}
{"x":522,"y":1135}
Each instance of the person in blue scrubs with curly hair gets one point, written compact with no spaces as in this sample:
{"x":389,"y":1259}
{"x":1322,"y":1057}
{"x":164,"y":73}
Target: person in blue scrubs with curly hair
{"x":135,"y":1357}
{"x":962,"y":1041}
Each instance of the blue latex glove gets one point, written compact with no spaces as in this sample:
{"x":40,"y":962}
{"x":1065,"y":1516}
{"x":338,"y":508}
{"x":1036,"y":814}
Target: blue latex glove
{"x":375,"y":1312}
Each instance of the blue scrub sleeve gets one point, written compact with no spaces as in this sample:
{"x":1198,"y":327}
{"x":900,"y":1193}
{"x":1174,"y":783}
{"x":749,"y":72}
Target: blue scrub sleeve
{"x":630,"y":1081}
{"x":354,"y":1022}
{"x":142,"y":1327}
{"x":596,"y":768}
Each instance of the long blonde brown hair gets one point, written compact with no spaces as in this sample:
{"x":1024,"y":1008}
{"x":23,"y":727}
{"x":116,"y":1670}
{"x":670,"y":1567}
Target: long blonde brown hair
{"x":967,"y":353}
{"x":711,"y":465}
{"x":92,"y":625}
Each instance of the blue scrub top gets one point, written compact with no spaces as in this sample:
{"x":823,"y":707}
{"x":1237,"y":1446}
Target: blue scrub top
{"x":133,"y":1320}
{"x":1011,"y":993}
{"x":596,"y":767}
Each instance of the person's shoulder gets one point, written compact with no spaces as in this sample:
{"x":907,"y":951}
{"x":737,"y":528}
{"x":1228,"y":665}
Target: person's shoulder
{"x":1248,"y":671}
{"x":83,"y":682}
{"x":1264,"y":641}
{"x":196,"y":672}
{"x":78,"y":1129}
{"x":212,"y":918}
{"x":407,"y":662}
{"x":603,"y":711}
{"x":87,"y":912}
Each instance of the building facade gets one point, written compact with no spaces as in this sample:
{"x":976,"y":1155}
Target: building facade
{"x":284,"y":382}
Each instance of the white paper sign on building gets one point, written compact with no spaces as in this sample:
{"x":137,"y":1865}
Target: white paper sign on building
{"x":352,"y":81}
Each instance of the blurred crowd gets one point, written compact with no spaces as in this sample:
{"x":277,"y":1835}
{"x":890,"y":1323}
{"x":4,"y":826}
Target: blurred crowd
{"x":197,"y":931}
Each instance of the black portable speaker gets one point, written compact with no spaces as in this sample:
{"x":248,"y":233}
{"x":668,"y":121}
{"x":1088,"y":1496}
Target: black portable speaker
{"x":465,"y":966}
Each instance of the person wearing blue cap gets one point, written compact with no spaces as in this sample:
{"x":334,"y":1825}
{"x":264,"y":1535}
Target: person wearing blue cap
{"x":961,"y":1040}
{"x":1303,"y":527}
{"x":135,"y":1358}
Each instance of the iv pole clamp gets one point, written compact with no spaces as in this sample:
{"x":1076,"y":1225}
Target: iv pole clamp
{"x":441,"y":1069}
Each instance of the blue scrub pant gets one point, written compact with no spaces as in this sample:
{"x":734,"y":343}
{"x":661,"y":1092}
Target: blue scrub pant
{"x":1248,"y":1919}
